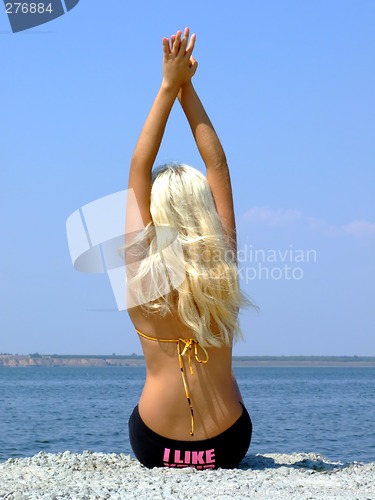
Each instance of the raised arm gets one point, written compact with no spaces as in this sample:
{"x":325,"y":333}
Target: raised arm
{"x":177,"y":70}
{"x":212,"y":154}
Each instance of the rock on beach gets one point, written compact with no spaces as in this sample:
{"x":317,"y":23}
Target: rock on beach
{"x":91,"y":475}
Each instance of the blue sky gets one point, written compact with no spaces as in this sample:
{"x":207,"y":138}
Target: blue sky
{"x":290,"y":88}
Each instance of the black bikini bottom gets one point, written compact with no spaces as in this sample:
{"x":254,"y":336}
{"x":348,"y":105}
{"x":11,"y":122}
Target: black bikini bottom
{"x":225,"y":450}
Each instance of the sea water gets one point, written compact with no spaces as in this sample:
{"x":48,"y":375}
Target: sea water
{"x":330,"y":411}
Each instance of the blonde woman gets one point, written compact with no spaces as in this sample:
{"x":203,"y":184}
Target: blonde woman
{"x":190,"y":413}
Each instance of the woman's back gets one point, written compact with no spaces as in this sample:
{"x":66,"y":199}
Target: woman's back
{"x":211,"y":386}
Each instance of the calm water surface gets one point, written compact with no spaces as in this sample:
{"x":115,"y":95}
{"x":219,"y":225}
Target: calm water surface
{"x":330,"y":411}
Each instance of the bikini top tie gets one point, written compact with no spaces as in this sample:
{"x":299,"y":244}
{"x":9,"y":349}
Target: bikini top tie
{"x":188,"y":346}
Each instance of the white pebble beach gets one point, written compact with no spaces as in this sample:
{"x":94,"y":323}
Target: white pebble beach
{"x":91,"y":475}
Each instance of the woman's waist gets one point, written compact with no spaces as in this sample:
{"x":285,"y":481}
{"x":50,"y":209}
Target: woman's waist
{"x":169,"y":391}
{"x":165,"y":409}
{"x":173,"y":375}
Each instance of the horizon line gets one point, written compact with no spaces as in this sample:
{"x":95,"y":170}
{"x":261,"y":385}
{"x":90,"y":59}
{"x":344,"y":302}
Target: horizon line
{"x":248,"y":357}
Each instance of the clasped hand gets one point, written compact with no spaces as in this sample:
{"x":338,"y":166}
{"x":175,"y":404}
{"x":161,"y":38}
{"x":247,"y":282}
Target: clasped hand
{"x":179,"y":66}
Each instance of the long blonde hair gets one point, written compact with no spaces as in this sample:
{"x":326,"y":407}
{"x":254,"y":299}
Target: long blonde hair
{"x":207,"y":296}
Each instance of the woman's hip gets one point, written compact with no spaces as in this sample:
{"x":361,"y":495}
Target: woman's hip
{"x":225,"y":450}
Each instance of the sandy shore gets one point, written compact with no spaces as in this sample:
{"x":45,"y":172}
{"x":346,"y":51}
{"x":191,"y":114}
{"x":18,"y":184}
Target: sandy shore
{"x":101,"y":476}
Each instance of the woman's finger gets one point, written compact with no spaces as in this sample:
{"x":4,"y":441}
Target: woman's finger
{"x":166,"y":47}
{"x":176,"y":43}
{"x":190,"y":48}
{"x":184,"y":41}
{"x":192,"y":61}
{"x":193,"y":65}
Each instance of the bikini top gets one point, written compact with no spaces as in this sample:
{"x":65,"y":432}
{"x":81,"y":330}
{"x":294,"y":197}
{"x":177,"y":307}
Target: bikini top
{"x":188,"y":345}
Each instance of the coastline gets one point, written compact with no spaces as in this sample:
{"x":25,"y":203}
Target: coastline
{"x":98,"y":475}
{"x":55,"y":360}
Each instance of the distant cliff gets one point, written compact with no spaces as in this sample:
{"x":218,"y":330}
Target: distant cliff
{"x":13,"y":360}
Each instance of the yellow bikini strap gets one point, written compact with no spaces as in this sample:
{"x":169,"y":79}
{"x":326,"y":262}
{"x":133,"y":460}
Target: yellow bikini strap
{"x":154,"y":338}
{"x":188,"y":345}
{"x":187,"y":349}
